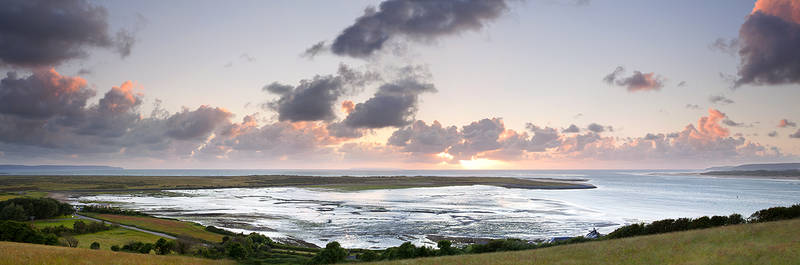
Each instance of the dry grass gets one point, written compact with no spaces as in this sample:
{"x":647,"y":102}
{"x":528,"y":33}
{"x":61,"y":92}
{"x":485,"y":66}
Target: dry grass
{"x":167,"y":226}
{"x":764,"y":243}
{"x":20,"y":253}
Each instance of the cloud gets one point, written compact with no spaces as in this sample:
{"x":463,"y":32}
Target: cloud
{"x":394,"y":104}
{"x":195,"y":124}
{"x":772,"y":134}
{"x":46,"y":33}
{"x":720,"y":100}
{"x":770,"y":37}
{"x":315,"y":50}
{"x":692,"y":106}
{"x":637,"y":82}
{"x":420,"y":138}
{"x":732,"y":123}
{"x":43,"y":95}
{"x":571,"y":129}
{"x":597,"y":128}
{"x":682,"y":84}
{"x":786,"y":123}
{"x":414,"y":20}
{"x":795,"y":134}
{"x":730,"y":47}
{"x":51,"y":117}
{"x":313,"y":99}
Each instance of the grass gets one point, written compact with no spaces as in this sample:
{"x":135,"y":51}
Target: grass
{"x":150,"y":183}
{"x":20,"y":253}
{"x":32,"y":194}
{"x":116,"y":236}
{"x":166,"y":226}
{"x":65,"y":221}
{"x":762,"y":243}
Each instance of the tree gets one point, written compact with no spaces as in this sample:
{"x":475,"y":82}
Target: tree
{"x":115,"y":248}
{"x":79,"y":227}
{"x":13,"y":211}
{"x":95,"y":245}
{"x":235,"y":250}
{"x":163,"y":246}
{"x":333,"y":253}
{"x":445,"y":247}
{"x":70,"y":241}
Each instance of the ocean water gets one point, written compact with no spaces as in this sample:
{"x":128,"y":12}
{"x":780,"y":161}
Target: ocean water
{"x":386,"y":218}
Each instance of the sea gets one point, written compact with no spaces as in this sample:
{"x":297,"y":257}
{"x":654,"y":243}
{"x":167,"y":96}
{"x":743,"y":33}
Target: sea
{"x":375,"y":219}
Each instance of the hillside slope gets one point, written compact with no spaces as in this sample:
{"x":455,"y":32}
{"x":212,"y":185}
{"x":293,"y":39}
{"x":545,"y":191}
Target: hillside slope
{"x":763,"y":243}
{"x":20,"y":253}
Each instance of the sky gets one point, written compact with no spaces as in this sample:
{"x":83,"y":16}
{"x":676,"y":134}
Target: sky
{"x":400,"y":84}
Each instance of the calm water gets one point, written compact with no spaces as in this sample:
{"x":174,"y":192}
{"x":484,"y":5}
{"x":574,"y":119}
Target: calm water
{"x":384,"y":218}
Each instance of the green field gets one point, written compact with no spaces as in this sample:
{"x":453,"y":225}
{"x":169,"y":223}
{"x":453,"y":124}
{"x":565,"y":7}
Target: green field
{"x":66,"y":221}
{"x":21,"y":253}
{"x":761,"y":243}
{"x":153,"y":183}
{"x":166,"y":226}
{"x":116,"y":236}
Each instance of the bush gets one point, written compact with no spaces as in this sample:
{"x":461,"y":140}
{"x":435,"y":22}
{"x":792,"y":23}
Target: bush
{"x":333,"y":253}
{"x":776,"y":213}
{"x":115,"y":248}
{"x":214,"y":229}
{"x":95,"y":245}
{"x":24,"y":233}
{"x":69,"y":241}
{"x":500,"y":245}
{"x":368,"y":256}
{"x":163,"y":246}
{"x":137,"y":247}
{"x":445,"y":248}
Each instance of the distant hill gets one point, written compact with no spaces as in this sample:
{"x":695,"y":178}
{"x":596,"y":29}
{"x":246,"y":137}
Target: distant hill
{"x":756,"y":167}
{"x":54,"y":167}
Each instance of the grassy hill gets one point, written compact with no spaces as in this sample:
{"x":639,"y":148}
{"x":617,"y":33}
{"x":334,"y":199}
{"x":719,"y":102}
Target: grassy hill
{"x":20,"y":253}
{"x":762,"y":243}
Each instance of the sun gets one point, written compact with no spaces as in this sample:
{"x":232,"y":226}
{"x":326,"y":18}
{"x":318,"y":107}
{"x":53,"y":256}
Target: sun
{"x":480,"y":163}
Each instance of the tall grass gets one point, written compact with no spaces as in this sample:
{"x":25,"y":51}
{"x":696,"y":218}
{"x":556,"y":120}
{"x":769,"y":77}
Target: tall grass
{"x":20,"y":253}
{"x":761,"y":243}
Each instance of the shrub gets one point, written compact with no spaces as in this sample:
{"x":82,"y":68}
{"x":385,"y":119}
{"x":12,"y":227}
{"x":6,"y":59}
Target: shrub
{"x":214,"y":229}
{"x":776,"y":213}
{"x":115,"y":248}
{"x":163,"y":246}
{"x":70,"y":241}
{"x":24,"y":233}
{"x":111,"y":210}
{"x":95,"y":245}
{"x":445,"y":247}
{"x":333,"y":253}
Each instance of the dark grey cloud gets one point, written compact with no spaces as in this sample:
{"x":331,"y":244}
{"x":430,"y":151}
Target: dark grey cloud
{"x":421,"y":138}
{"x":341,"y":130}
{"x":479,"y":136}
{"x":682,"y":84}
{"x":418,"y":20}
{"x":769,"y":53}
{"x":795,"y":134}
{"x":315,"y":50}
{"x":692,"y":106}
{"x":195,"y":124}
{"x":730,"y":47}
{"x":732,"y":123}
{"x":394,"y":104}
{"x":46,"y":33}
{"x":314,"y":99}
{"x":638,"y":81}
{"x":719,"y":99}
{"x":772,"y":134}
{"x":43,"y":95}
{"x":571,"y":129}
{"x":542,"y":138}
{"x":597,"y":128}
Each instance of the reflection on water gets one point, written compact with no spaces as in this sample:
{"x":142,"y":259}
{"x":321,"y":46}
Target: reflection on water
{"x":385,"y":218}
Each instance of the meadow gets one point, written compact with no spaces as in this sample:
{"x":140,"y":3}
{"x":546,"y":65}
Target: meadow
{"x":166,"y":226}
{"x":761,"y":243}
{"x":21,"y":253}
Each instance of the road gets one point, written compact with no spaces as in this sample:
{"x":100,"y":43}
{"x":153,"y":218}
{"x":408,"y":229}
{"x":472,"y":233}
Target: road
{"x":125,"y":226}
